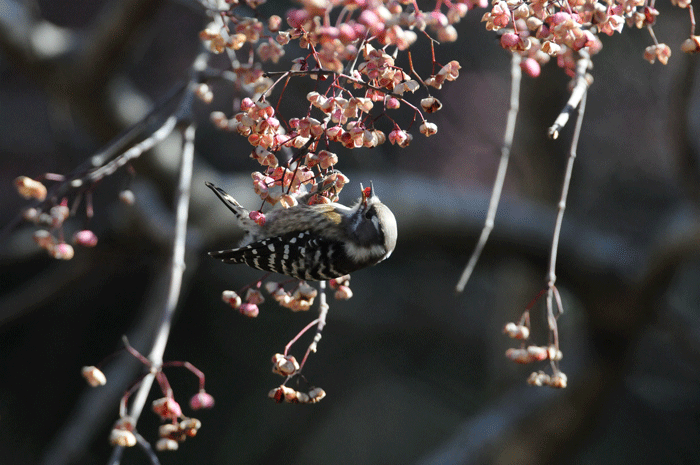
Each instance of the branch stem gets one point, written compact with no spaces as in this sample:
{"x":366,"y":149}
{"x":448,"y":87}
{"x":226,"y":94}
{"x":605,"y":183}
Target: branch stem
{"x":516,"y":75}
{"x":552,"y":291}
{"x":178,"y":267}
{"x":583,"y":81}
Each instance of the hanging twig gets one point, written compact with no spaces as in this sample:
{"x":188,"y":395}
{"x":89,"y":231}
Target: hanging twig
{"x":583,"y":81}
{"x":177,"y":270}
{"x":551,"y":275}
{"x":515,"y":74}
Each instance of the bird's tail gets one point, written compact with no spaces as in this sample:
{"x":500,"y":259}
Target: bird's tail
{"x":238,"y":210}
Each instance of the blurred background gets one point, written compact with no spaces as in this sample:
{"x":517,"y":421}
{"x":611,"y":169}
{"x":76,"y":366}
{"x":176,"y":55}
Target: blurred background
{"x":413,"y":372}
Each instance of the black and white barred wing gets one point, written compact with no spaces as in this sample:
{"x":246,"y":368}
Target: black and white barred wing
{"x":297,"y":254}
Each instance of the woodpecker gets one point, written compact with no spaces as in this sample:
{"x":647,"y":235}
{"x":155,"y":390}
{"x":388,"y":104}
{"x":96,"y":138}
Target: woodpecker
{"x":314,"y":242}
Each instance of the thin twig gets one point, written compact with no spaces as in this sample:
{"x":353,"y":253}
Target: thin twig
{"x":325,"y":72}
{"x":85,"y":175}
{"x":650,"y":29}
{"x":692,"y":20}
{"x":551,"y":275}
{"x":516,"y":75}
{"x":134,"y":152}
{"x":583,"y":81}
{"x":146,"y":446}
{"x":299,"y":334}
{"x":322,"y":313}
{"x":177,"y":270}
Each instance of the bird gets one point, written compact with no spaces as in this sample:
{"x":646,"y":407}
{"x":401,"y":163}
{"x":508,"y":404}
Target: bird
{"x":313,"y":242}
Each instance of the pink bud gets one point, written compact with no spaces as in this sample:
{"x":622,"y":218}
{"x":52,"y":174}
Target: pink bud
{"x":510,"y":40}
{"x":560,"y":17}
{"x":296,"y":18}
{"x":167,"y":408}
{"x":201,"y":400}
{"x":397,"y":136}
{"x":249,"y":310}
{"x":393,"y":103}
{"x":343,"y":293}
{"x":62,"y":251}
{"x":347,"y":33}
{"x":258,"y":217}
{"x":246,"y":104}
{"x":369,"y":18}
{"x":86,"y":238}
{"x":274,"y":23}
{"x":531,"y":67}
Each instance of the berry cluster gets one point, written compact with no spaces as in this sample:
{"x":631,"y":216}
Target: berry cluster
{"x":52,"y":217}
{"x":177,"y":427}
{"x":540,"y":30}
{"x":292,"y":396}
{"x":170,"y":434}
{"x":535,"y":354}
{"x":287,"y":366}
{"x":300,"y":299}
{"x":527,"y":354}
{"x":248,"y":308}
{"x":358,"y":84}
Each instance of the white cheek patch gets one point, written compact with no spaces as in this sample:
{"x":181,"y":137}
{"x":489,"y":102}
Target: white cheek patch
{"x":362,"y":254}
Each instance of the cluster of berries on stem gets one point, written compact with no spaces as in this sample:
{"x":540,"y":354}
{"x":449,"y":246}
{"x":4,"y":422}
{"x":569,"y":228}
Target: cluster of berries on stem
{"x":177,"y":427}
{"x":540,"y":30}
{"x":527,"y":354}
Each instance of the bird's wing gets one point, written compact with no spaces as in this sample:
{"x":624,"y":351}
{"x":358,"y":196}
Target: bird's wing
{"x":298,"y":254}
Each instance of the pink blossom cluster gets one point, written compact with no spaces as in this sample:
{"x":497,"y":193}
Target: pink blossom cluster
{"x":341,"y":286}
{"x":388,"y":22}
{"x":51,"y":216}
{"x":539,"y":30}
{"x":351,"y":51}
{"x":300,"y":299}
{"x":540,"y":378}
{"x":176,"y":427}
{"x":527,"y":354}
{"x":249,"y":307}
{"x":292,"y":396}
{"x":531,"y":354}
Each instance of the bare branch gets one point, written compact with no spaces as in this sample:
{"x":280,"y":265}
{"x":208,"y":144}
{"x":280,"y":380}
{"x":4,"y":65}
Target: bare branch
{"x":581,"y":85}
{"x":177,"y":270}
{"x":515,"y":76}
